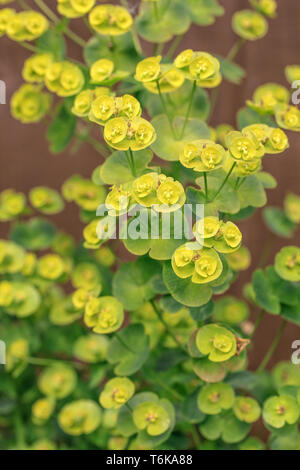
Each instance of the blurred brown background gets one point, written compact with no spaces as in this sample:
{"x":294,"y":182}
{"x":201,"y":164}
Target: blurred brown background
{"x":26,"y":161}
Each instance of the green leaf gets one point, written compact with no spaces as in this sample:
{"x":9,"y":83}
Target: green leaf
{"x":203,"y":12}
{"x":278,"y":223}
{"x":231,"y":71}
{"x":122,"y":52}
{"x":161,"y":28}
{"x":169,"y":304}
{"x":133,"y":283}
{"x":265,"y":295}
{"x":234,"y":430}
{"x":252,"y":193}
{"x":201,"y":314}
{"x":183,"y":290}
{"x":227,"y":200}
{"x":169,"y":148}
{"x":190,"y":411}
{"x":178,"y":102}
{"x":247,"y":116}
{"x":62,"y":129}
{"x":116,"y":168}
{"x":37,"y":234}
{"x":287,"y":292}
{"x":268,"y":181}
{"x":130,"y":351}
{"x":52,"y":41}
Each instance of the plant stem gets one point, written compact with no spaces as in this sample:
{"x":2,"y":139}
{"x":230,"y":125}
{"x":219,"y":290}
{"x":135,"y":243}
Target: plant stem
{"x":23,"y":4}
{"x":19,"y":430}
{"x":132,"y":162}
{"x":134,"y":33}
{"x":94,"y":143}
{"x":213,"y":101}
{"x":195,"y":436}
{"x":225,"y":181}
{"x":73,"y":36}
{"x":235,"y":49}
{"x":157,"y":381}
{"x":27,"y":46}
{"x":273,"y":346}
{"x":129,"y":407}
{"x":158,"y":313}
{"x":165,"y":109}
{"x":174,"y":46}
{"x":257,"y":322}
{"x":188,"y":109}
{"x":205,"y":185}
{"x":42,"y":6}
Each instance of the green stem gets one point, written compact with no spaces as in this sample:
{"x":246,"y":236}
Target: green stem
{"x":24,"y":5}
{"x":129,"y":407}
{"x":205,"y":185}
{"x":132,"y":162}
{"x":42,"y":6}
{"x":225,"y":181}
{"x":19,"y":430}
{"x":94,"y":143}
{"x":257,"y":322}
{"x":273,"y":346}
{"x":188,"y":109}
{"x":235,"y":49}
{"x":213,"y":101}
{"x":162,"y":384}
{"x":174,"y":46}
{"x":195,"y":436}
{"x":135,"y":37}
{"x":73,"y":36}
{"x":159,"y":314}
{"x":27,"y":46}
{"x":165,"y":109}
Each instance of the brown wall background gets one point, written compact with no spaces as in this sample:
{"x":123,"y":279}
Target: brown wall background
{"x":26,"y":162}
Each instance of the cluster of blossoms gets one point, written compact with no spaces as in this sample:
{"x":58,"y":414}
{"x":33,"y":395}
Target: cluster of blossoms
{"x":141,"y":348}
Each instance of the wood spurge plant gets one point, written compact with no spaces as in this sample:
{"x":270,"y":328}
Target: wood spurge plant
{"x":146,"y":349}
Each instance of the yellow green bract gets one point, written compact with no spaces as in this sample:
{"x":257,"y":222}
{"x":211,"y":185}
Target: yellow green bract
{"x":116,"y":393}
{"x":80,"y":417}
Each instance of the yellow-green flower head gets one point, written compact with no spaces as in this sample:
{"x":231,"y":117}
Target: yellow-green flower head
{"x":169,"y":80}
{"x":214,"y":398}
{"x":292,"y":72}
{"x":12,"y":204}
{"x":110,"y":19}
{"x":16,"y":356}
{"x":183,"y":261}
{"x":102,"y":109}
{"x":292,"y":207}
{"x":26,"y":299}
{"x":287,"y":263}
{"x":6,"y":15}
{"x":216,"y":342}
{"x":222,"y":130}
{"x":205,"y":68}
{"x":202,"y":155}
{"x":148,"y":69}
{"x":12,"y":257}
{"x":242,"y":147}
{"x":42,"y":409}
{"x":27,"y":26}
{"x":239,"y":260}
{"x":74,"y":8}
{"x":288,"y":117}
{"x":80,"y":417}
{"x":246,"y":409}
{"x":249,"y":24}
{"x":63,"y":244}
{"x":227,"y":239}
{"x":29,"y":104}
{"x":90,"y":235}
{"x":230,"y":310}
{"x":43,"y":444}
{"x":104,"y":314}
{"x":151,"y":417}
{"x":57,"y":381}
{"x":116,"y":393}
{"x":184,"y":59}
{"x":207,"y":227}
{"x":243,"y":169}
{"x":266,"y":7}
{"x":105,"y":256}
{"x":51,"y":267}
{"x":101,"y":70}
{"x":6,"y":293}
{"x":84,"y":192}
{"x":35,"y":67}
{"x":286,"y":373}
{"x":122,"y":134}
{"x":277,"y":141}
{"x":278,"y":411}
{"x":144,"y":189}
{"x":80,"y":298}
{"x":83,"y":101}
{"x":46,"y":200}
{"x":208,"y":266}
{"x":86,"y":276}
{"x":170,"y":193}
{"x":128,"y":106}
{"x":118,"y":199}
{"x":91,"y":348}
{"x":64,"y":78}
{"x":267,"y":96}
{"x":30,"y":263}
